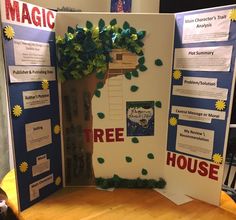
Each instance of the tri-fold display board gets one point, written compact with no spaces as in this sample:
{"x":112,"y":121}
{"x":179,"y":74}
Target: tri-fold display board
{"x":126,"y":110}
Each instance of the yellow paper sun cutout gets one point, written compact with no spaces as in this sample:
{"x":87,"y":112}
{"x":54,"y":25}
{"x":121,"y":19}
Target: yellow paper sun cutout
{"x":177,"y":74}
{"x":57,"y":129}
{"x":17,"y":110}
{"x":58,"y":181}
{"x":217,"y":158}
{"x":232,"y":15}
{"x":23,"y":167}
{"x":173,"y":121}
{"x":45,"y":84}
{"x":220,"y":105}
{"x":9,"y":32}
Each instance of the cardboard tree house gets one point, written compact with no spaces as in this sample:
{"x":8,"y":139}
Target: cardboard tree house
{"x":128,"y":113}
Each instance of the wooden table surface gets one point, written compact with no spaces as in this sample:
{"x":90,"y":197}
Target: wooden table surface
{"x":121,"y":204}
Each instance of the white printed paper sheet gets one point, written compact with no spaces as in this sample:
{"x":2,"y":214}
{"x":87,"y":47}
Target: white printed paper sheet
{"x":206,"y":27}
{"x":38,"y":134}
{"x":197,"y":114}
{"x":195,"y":141}
{"x":31,"y":53}
{"x":20,"y":74}
{"x":203,"y":58}
{"x":42,"y":165}
{"x":36,"y":98}
{"x":199,"y":87}
{"x":35,"y":187}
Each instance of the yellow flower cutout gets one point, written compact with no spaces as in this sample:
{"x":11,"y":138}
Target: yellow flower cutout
{"x":232,"y":15}
{"x":220,"y":105}
{"x":9,"y":32}
{"x":177,"y":74}
{"x":17,"y":110}
{"x":45,"y":84}
{"x":58,"y":181}
{"x":217,"y":158}
{"x":23,"y":167}
{"x":173,"y":121}
{"x":57,"y":129}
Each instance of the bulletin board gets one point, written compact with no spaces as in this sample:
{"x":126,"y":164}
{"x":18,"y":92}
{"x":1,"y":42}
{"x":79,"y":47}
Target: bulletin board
{"x":203,"y":79}
{"x":116,"y":126}
{"x":30,"y":61}
{"x":135,"y":114}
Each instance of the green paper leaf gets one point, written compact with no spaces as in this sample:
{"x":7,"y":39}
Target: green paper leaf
{"x":140,"y":53}
{"x":101,"y":115}
{"x":142,"y":68}
{"x":128,"y":159}
{"x":135,"y":73}
{"x":100,"y":85}
{"x":150,"y":156}
{"x":133,"y":30}
{"x":100,"y":75}
{"x":70,"y":30}
{"x":144,"y":172}
{"x":101,"y":24}
{"x":100,"y":160}
{"x":135,"y":140}
{"x":97,"y":93}
{"x":141,"y":34}
{"x":134,"y":88}
{"x":128,"y":75}
{"x":141,"y":60}
{"x":158,"y":104}
{"x":126,"y":25}
{"x":140,"y":43}
{"x":89,"y":25}
{"x":158,"y":62}
{"x":113,"y":22}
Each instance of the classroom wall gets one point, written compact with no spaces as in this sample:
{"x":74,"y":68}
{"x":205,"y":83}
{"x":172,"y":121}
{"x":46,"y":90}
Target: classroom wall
{"x":4,"y":144}
{"x":138,"y":6}
{"x":88,"y":5}
{"x":148,"y":6}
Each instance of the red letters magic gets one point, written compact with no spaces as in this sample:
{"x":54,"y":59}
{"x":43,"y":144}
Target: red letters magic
{"x":24,"y":13}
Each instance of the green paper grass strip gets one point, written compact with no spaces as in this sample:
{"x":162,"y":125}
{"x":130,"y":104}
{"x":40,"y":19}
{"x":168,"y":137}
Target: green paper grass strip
{"x":134,"y":88}
{"x":158,"y":62}
{"x":100,"y":160}
{"x":158,"y":104}
{"x":150,"y":156}
{"x":135,"y":140}
{"x":86,"y":50}
{"x":119,"y":182}
{"x":101,"y":115}
{"x":128,"y":159}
